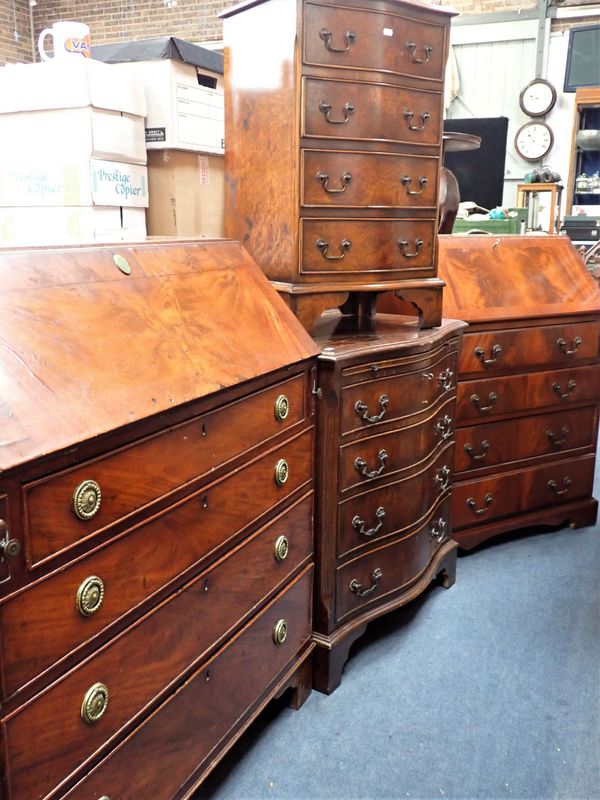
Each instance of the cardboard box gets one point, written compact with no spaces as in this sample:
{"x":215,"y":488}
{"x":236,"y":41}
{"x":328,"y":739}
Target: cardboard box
{"x":42,"y":226}
{"x":187,"y":194}
{"x":184,"y":90}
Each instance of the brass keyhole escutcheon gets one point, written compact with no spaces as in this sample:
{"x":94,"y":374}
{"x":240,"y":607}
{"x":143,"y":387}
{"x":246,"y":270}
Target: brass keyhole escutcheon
{"x":282,"y":472}
{"x":86,"y":500}
{"x":121,"y":263}
{"x":105,"y":797}
{"x":282,"y":407}
{"x":282,"y":548}
{"x":94,"y":703}
{"x":280,"y":632}
{"x":90,"y":596}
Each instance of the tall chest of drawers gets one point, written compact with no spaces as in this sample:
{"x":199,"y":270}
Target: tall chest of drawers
{"x":529,"y":383}
{"x":385,"y":447}
{"x":156,"y":503}
{"x":333,"y":119}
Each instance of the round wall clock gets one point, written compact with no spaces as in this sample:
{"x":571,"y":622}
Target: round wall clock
{"x":534,"y":140}
{"x":538,"y":97}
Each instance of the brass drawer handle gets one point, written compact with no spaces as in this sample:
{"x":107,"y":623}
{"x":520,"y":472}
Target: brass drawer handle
{"x":90,"y":596}
{"x":408,"y":115}
{"x":404,"y":245}
{"x":571,"y":386}
{"x":325,"y":109}
{"x":495,"y":354}
{"x":323,"y":178}
{"x":280,"y":632}
{"x":560,"y":492}
{"x":488,"y":500}
{"x":95,"y":703}
{"x":359,"y":524}
{"x":427,"y":50}
{"x":483,"y":448}
{"x":360,"y":465}
{"x":9,"y":548}
{"x":362,"y":409}
{"x":438,"y":530}
{"x":444,"y":427}
{"x":446,"y":380}
{"x":282,"y":407}
{"x":564,"y":432}
{"x":356,"y":587}
{"x":564,"y":347}
{"x":476,"y":400}
{"x":281,"y":548}
{"x":405,"y":180}
{"x":86,"y":500}
{"x":323,"y":246}
{"x":327,"y":36}
{"x":282,"y":472}
{"x":443,"y":478}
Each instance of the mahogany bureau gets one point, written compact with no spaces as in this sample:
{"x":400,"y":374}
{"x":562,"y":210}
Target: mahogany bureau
{"x":529,"y":383}
{"x":333,"y":121}
{"x":156,"y":510}
{"x":385,"y":447}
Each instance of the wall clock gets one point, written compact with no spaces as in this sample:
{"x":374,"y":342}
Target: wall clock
{"x":534,"y":140}
{"x":538,"y":97}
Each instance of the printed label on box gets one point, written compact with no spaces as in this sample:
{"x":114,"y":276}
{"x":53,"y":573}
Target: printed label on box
{"x":119,"y":184}
{"x":156,"y":134}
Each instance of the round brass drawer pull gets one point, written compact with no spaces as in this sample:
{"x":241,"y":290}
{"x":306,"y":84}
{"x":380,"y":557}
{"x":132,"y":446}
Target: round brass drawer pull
{"x":282,"y":407}
{"x":280,"y":632}
{"x":94,"y":703}
{"x":90,"y":596}
{"x":282,"y":548}
{"x":282,"y":472}
{"x":86,"y":500}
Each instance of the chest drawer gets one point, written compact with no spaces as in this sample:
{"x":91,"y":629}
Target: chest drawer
{"x":140,"y":664}
{"x":494,"y":443}
{"x":547,"y":345}
{"x":485,"y":398}
{"x":385,"y":569}
{"x":497,"y":496}
{"x":370,"y":112}
{"x":373,"y":39}
{"x":125,"y":481}
{"x":359,"y":246}
{"x":368,"y":180}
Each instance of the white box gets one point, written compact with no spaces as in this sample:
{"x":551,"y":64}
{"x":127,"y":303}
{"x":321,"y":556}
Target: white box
{"x":44,"y":226}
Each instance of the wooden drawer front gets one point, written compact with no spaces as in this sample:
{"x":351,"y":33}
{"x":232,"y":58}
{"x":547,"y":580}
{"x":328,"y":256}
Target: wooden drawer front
{"x":497,"y":496}
{"x":374,"y":245}
{"x":495,"y":443}
{"x":388,"y":510}
{"x":129,"y":571}
{"x":374,"y":575}
{"x":370,"y":112}
{"x":480,"y":400}
{"x":529,"y":347}
{"x":159,"y":757}
{"x":368,"y":180}
{"x":138,"y":665}
{"x":131,"y":478}
{"x":367,"y":405}
{"x":375,"y":458}
{"x":373,"y":40}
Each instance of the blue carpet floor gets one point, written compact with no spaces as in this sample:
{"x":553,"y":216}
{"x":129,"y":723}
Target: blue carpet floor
{"x":489,"y":690}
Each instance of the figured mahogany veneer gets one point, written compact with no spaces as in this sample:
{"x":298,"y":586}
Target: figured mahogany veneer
{"x":156,"y":512}
{"x":384,"y":465}
{"x":529,"y":383}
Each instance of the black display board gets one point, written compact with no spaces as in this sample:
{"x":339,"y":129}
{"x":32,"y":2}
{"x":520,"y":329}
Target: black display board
{"x":583,"y":58}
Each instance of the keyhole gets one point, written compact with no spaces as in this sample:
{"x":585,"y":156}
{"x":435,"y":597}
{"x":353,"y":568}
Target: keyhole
{"x":203,"y":429}
{"x":204,"y":501}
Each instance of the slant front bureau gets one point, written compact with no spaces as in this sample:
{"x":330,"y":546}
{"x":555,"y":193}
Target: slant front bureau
{"x":385,"y":448}
{"x":333,"y":121}
{"x":156,"y":514}
{"x":529,"y":383}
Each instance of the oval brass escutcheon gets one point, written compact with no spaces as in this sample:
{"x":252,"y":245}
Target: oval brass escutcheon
{"x":282,"y":472}
{"x":280,"y":632}
{"x":122,"y":264}
{"x":105,"y":797}
{"x":94,"y":703}
{"x":282,"y":548}
{"x":86,"y":499}
{"x":282,"y":407}
{"x":90,"y":596}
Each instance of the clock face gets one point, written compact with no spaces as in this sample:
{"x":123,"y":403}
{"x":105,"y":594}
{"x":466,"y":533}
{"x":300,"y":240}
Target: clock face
{"x":537,"y":98}
{"x":534,"y":140}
